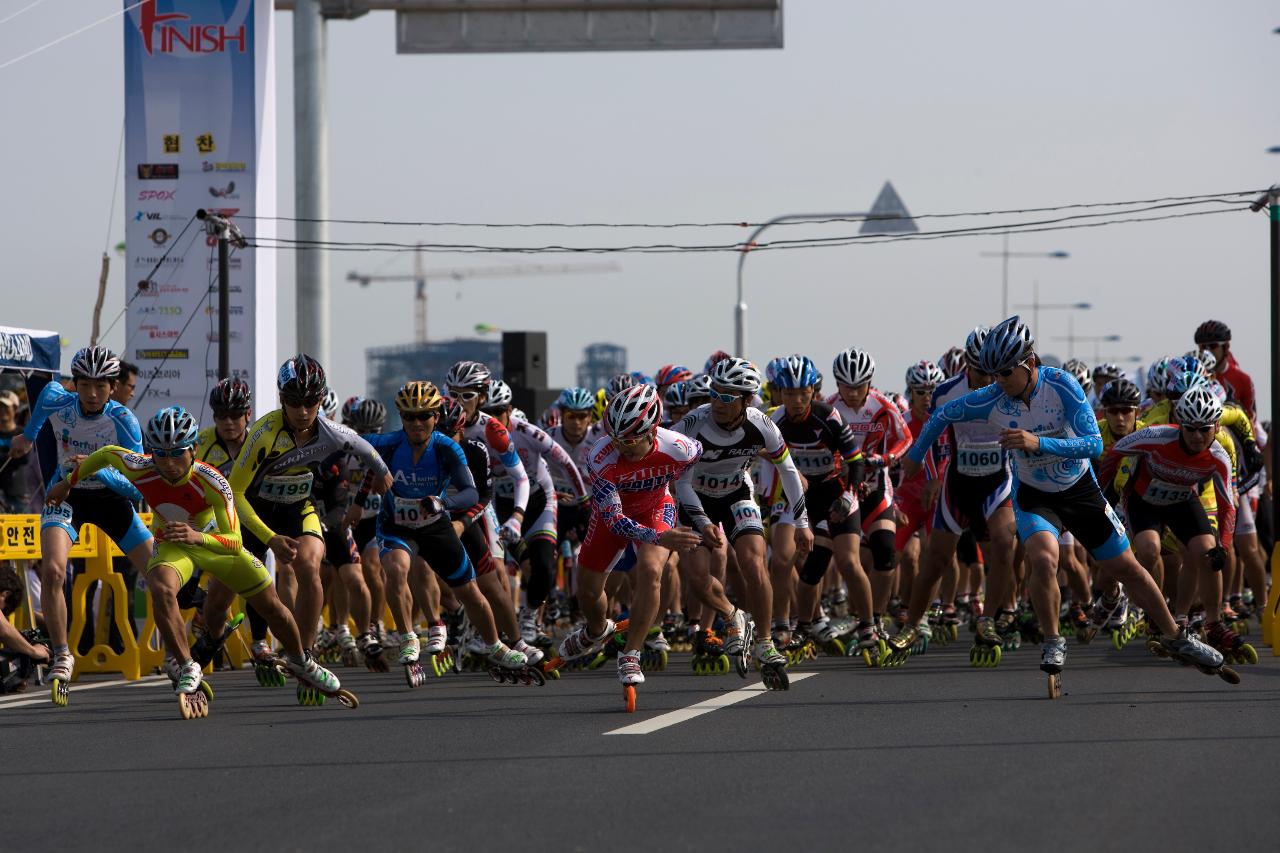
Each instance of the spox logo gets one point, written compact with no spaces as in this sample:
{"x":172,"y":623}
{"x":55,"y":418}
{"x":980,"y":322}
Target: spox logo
{"x":163,"y":33}
{"x":156,"y":195}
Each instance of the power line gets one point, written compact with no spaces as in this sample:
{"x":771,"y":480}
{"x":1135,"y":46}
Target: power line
{"x":1225,"y":196}
{"x":71,"y":34}
{"x":25,"y":8}
{"x":1034,"y":226}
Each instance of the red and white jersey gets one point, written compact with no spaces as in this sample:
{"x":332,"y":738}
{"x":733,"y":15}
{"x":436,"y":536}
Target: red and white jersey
{"x":622,"y":490}
{"x":878,"y":428}
{"x":536,"y":449}
{"x":1167,"y":473}
{"x":490,"y":432}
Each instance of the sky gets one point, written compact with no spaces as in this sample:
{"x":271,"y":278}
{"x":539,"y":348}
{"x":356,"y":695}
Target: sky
{"x":964,"y":107}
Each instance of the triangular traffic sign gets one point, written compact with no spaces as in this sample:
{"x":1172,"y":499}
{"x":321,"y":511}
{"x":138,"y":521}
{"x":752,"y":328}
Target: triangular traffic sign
{"x":888,"y":214}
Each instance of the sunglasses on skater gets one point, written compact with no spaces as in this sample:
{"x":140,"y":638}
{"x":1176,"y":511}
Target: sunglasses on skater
{"x":1121,"y":410}
{"x":634,"y":441}
{"x":1008,"y":371}
{"x":722,"y":397}
{"x":414,"y":417}
{"x":175,"y":453}
{"x":1202,"y":428}
{"x":465,"y":396}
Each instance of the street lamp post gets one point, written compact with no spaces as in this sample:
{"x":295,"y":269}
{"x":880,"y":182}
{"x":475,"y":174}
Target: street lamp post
{"x":1004,"y":254}
{"x":1037,"y":306}
{"x":1095,"y":339}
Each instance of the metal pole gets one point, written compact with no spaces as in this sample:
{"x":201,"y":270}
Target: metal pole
{"x":1004,"y":279}
{"x":311,"y":193}
{"x":1274,"y":200}
{"x":224,"y":308}
{"x":1071,"y":336}
{"x":420,"y":295}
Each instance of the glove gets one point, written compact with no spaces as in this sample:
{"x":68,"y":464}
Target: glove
{"x":1217,"y":557}
{"x":842,"y":508}
{"x":875,"y":461}
{"x":509,"y":533}
{"x":1252,"y":456}
{"x":432,"y":506}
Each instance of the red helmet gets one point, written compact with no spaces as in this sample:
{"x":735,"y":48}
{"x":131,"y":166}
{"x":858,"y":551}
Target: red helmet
{"x":633,"y":412}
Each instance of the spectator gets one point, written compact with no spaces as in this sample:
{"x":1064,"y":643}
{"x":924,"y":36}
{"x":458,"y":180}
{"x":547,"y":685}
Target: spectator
{"x":15,"y":492}
{"x":127,"y":383}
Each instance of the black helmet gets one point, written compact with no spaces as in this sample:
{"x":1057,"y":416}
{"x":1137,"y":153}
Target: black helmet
{"x":1121,"y":392}
{"x":231,"y":395}
{"x":451,"y":417}
{"x":1212,"y":332}
{"x":369,"y":416}
{"x":301,"y":380}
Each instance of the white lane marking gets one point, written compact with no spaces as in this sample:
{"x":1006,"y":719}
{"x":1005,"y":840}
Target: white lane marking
{"x":18,"y":700}
{"x":724,"y":700}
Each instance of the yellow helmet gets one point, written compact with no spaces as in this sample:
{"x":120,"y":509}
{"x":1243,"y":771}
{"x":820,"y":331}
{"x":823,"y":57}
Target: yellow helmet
{"x":598,"y":412}
{"x":418,"y":396}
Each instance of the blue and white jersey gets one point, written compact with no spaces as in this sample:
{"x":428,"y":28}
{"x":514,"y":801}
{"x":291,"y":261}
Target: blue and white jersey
{"x":442,"y":463}
{"x":1059,"y":414}
{"x":78,"y":434}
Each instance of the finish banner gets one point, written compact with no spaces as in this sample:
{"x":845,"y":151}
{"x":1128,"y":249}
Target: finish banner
{"x":199,"y":133}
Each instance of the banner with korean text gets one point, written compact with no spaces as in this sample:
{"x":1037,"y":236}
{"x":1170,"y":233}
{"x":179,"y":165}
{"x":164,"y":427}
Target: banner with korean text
{"x":199,"y":133}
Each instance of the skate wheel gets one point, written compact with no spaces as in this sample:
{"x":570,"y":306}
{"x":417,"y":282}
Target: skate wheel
{"x":866,"y":657}
{"x":834,"y":647}
{"x":207,"y":689}
{"x":1055,"y":685}
{"x":1248,"y":653}
{"x":496,"y":674}
{"x":954,"y":632}
{"x":60,"y":692}
{"x":185,"y":707}
{"x":347,"y":698}
{"x":629,"y":697}
{"x":536,"y":676}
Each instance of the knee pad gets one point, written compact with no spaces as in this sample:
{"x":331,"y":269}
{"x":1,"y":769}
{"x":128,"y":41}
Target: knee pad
{"x":883,"y":556}
{"x":815,"y":565}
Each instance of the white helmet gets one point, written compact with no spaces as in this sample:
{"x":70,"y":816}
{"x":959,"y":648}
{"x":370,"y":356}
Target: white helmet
{"x":172,"y":429}
{"x":736,"y":374}
{"x":633,"y":412}
{"x":330,"y":404}
{"x":1198,"y":406}
{"x":468,"y":374}
{"x":853,"y":367}
{"x":924,"y":374}
{"x":95,"y":363}
{"x":498,"y":394}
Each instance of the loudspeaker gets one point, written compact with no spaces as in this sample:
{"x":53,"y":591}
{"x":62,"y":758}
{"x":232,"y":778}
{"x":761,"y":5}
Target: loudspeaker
{"x":524,"y":359}
{"x":534,"y":401}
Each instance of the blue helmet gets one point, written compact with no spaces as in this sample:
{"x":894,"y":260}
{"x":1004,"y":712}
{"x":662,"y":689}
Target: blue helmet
{"x":172,"y":429}
{"x":1181,"y":382}
{"x":576,"y":399}
{"x":797,"y":371}
{"x":1007,"y":345}
{"x":676,"y":395}
{"x":771,"y":369}
{"x":642,"y":378}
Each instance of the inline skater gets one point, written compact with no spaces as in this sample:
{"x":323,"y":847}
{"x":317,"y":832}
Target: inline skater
{"x":415,"y":520}
{"x":196,"y":525}
{"x":1055,"y":488}
{"x":973,"y":496}
{"x":83,"y":421}
{"x":574,"y":437}
{"x":882,"y":437}
{"x":1215,"y":336}
{"x":629,"y":471}
{"x":273,"y":478}
{"x":825,"y":453}
{"x":922,"y":379}
{"x":717,"y":491}
{"x":1172,"y":461}
{"x":369,"y":417}
{"x":539,"y":526}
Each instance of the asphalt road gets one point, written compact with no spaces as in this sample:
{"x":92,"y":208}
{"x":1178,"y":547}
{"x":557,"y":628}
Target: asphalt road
{"x":1140,"y":754}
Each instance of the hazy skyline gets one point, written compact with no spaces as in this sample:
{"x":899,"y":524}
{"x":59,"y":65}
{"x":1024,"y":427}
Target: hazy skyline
{"x":998,"y":105}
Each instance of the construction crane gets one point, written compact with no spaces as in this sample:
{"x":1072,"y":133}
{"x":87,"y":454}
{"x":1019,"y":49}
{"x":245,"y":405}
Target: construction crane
{"x":420,"y":276}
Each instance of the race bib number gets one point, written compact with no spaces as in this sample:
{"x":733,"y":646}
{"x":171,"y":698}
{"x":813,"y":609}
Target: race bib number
{"x":286,"y":488}
{"x":505,"y":488}
{"x":746,"y":516}
{"x":977,"y":460}
{"x":1162,"y":493}
{"x":711,"y":483}
{"x":60,"y":514}
{"x":372,"y":504}
{"x":813,"y":461}
{"x":409,"y":512}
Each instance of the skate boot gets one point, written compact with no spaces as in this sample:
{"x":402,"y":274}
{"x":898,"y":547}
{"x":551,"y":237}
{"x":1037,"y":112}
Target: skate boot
{"x":266,"y":666}
{"x":315,"y":683}
{"x":629,"y":669}
{"x":371,"y":649}
{"x":579,"y":643}
{"x":736,"y":641}
{"x":193,"y":702}
{"x":1053,"y":656}
{"x":1186,"y":648}
{"x":1123,"y":623}
{"x":437,"y":649}
{"x":533,"y":653}
{"x":985,"y":651}
{"x":840,"y":603}
{"x":347,"y":649}
{"x":800,"y":647}
{"x":951,"y":617}
{"x":1233,"y":648}
{"x":773,"y":666}
{"x":899,"y":647}
{"x":326,"y":647}
{"x":509,"y":666}
{"x":867,"y":642}
{"x":528,"y":625}
{"x":708,"y":654}
{"x":1007,"y":630}
{"x":1080,"y":622}
{"x":410,"y":648}
{"x":656,"y":652}
{"x":64,"y":664}
{"x":826,"y":637}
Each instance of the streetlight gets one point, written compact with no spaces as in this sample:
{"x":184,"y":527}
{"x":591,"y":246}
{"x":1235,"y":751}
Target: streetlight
{"x":1037,"y":306}
{"x":1005,"y":254}
{"x":1096,"y":339}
